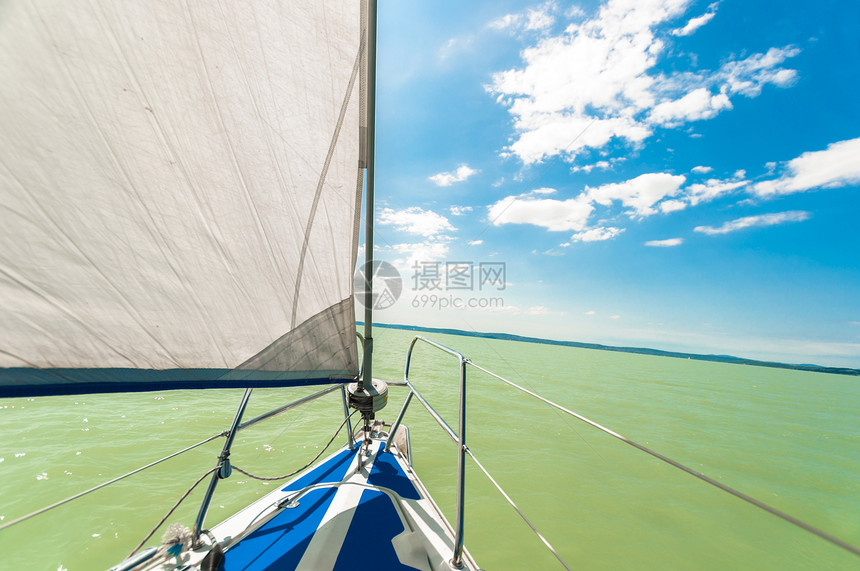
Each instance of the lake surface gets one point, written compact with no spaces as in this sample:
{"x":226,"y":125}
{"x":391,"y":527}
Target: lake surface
{"x":788,"y":438}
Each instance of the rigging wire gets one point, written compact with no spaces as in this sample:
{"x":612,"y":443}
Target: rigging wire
{"x":736,"y":493}
{"x":537,"y":176}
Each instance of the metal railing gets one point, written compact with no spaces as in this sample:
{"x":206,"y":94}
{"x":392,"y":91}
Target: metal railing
{"x":223,"y":468}
{"x":459,"y":437}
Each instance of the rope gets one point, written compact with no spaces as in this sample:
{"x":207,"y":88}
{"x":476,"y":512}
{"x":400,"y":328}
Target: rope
{"x":736,"y":493}
{"x":317,"y":457}
{"x":173,"y":509}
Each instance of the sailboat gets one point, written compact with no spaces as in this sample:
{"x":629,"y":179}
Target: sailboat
{"x":181,"y":193}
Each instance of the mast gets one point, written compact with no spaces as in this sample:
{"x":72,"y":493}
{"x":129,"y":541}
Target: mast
{"x":366,"y":394}
{"x":370,"y":150}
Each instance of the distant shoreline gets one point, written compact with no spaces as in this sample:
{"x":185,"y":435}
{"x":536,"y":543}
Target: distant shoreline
{"x":637,"y":350}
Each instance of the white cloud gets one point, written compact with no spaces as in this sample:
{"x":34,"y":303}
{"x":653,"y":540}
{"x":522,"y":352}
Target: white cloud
{"x":640,"y":194}
{"x":550,"y":252}
{"x":448,"y":178}
{"x":598,"y":165}
{"x":673,"y":205}
{"x":537,"y":310}
{"x":407,"y":255}
{"x":711,"y":189}
{"x":566,"y":134}
{"x":589,"y":312}
{"x":533,"y":19}
{"x":415,"y":221}
{"x":454,"y":46}
{"x":549,"y":213}
{"x":459,"y":210}
{"x":596,"y":234}
{"x":614,"y":317}
{"x":707,"y":191}
{"x":755,"y":221}
{"x":748,"y":76}
{"x":836,"y":166}
{"x":695,"y":105}
{"x":505,"y":22}
{"x":595,"y":82}
{"x":540,"y":18}
{"x":574,"y":12}
{"x":665,"y":243}
{"x":476,"y":242}
{"x":653,"y":193}
{"x":696,"y":23}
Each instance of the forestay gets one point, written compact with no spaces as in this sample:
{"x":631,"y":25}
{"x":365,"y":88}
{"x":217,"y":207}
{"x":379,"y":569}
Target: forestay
{"x":179,"y":191}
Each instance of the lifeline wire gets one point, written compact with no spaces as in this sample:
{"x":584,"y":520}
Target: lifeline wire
{"x":505,"y":361}
{"x":513,"y":505}
{"x":109,"y":482}
{"x":244,"y":425}
{"x":740,"y":495}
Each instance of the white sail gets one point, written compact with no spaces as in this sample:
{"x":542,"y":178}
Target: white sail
{"x":179,"y":187}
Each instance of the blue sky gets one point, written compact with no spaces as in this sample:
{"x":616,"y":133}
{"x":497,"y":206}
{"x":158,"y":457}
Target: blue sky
{"x":679,"y":175}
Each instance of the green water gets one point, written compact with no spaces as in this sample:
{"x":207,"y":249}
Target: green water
{"x":788,"y":438}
